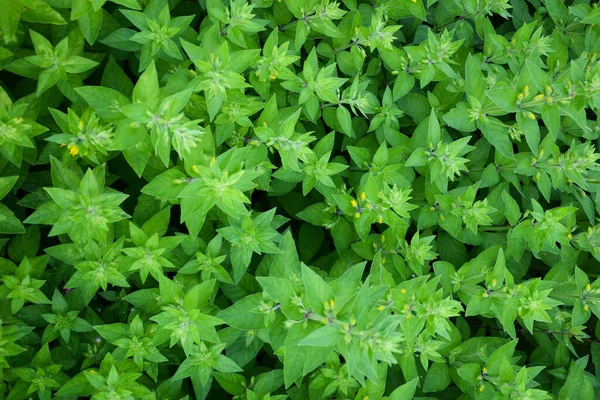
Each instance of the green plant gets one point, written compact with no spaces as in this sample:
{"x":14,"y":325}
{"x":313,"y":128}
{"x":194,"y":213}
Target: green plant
{"x":299,"y":199}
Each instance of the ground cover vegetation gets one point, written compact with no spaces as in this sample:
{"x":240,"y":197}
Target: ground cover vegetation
{"x":299,"y":199}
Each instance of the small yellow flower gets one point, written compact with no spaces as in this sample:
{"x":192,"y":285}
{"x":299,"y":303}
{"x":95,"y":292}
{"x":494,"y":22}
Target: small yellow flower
{"x":363,"y":196}
{"x":538,"y":97}
{"x":526,"y":90}
{"x":585,"y":308}
{"x":569,"y":236}
{"x":530,"y":115}
{"x":357,"y":215}
{"x":484,"y":370}
{"x":80,"y":124}
{"x":408,"y":316}
{"x":353,"y":203}
{"x":382,"y":238}
{"x":549,"y":99}
{"x":494,"y":282}
{"x":380,"y":220}
{"x":352,"y":320}
{"x":403,"y":290}
{"x":195,"y":168}
{"x":324,"y":320}
{"x":73,"y":149}
{"x":264,"y":124}
{"x":381,"y":308}
{"x":406,"y":307}
{"x":588,"y":287}
{"x":485,"y":294}
{"x":331,"y":303}
{"x":520,"y":97}
{"x":481,"y":388}
{"x":273,"y":77}
{"x":192,"y":72}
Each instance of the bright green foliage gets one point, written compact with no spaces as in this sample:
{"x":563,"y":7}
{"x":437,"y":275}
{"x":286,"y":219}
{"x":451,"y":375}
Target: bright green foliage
{"x":299,"y":199}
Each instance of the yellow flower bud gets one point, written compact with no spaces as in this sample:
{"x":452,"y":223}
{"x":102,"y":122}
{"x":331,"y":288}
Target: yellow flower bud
{"x":380,"y":220}
{"x":264,"y":124}
{"x":381,"y":308}
{"x":357,"y":215}
{"x":80,"y":124}
{"x":192,"y":72}
{"x":212,"y":161}
{"x":526,"y":90}
{"x":485,"y":294}
{"x":530,"y":115}
{"x":382,"y":238}
{"x":588,"y":287}
{"x":569,"y":236}
{"x":549,"y":99}
{"x":481,"y":388}
{"x":585,"y":308}
{"x":538,"y":97}
{"x":363,"y":196}
{"x":195,"y":168}
{"x":331,"y":303}
{"x":383,"y":260}
{"x":324,"y":320}
{"x":408,"y":316}
{"x":353,"y":203}
{"x":403,"y":290}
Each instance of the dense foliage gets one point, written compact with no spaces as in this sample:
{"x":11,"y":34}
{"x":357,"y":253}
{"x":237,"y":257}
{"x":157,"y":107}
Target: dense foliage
{"x":299,"y":199}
